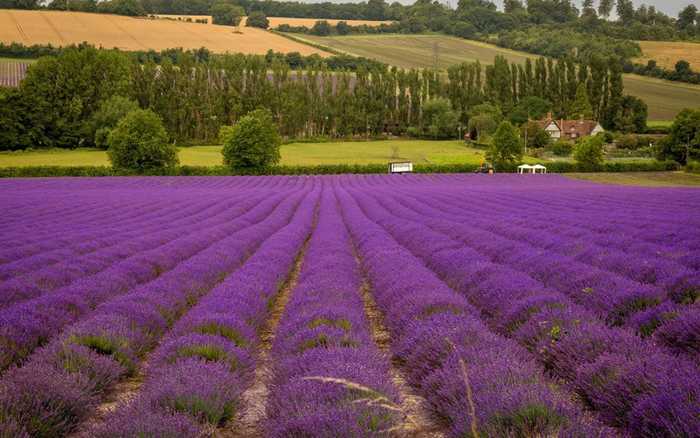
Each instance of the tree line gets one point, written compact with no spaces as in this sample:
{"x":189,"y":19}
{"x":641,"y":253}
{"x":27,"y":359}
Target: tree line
{"x":57,"y":103}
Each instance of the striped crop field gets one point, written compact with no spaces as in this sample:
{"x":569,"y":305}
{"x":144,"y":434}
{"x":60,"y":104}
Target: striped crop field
{"x":61,"y":28}
{"x":664,"y":98}
{"x":348,"y":306}
{"x":12,"y":72}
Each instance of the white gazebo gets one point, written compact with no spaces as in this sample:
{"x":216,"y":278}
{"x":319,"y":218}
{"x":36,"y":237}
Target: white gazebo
{"x":537,"y":168}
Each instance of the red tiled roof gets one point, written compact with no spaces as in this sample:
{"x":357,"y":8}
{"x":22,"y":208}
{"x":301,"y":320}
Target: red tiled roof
{"x":571,"y":128}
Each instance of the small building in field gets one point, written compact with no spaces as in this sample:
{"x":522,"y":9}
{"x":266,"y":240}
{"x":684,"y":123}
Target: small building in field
{"x":570,"y":129}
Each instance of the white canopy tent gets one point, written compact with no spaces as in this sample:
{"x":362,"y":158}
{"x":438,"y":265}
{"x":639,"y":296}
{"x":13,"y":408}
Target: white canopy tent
{"x":526,"y":168}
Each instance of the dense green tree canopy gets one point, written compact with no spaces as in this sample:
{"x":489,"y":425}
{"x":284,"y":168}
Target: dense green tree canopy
{"x":257,"y":19}
{"x":683,"y":143}
{"x":253,"y":142}
{"x":226,"y":12}
{"x":506,"y":146}
{"x":139,"y":142}
{"x":438,"y":119}
{"x":63,"y":93}
{"x":588,"y":153}
{"x":107,"y":116}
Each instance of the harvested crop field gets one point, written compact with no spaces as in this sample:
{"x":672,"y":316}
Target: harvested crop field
{"x":667,"y":53}
{"x":276,"y":21}
{"x":428,"y":305}
{"x":665,"y":98}
{"x":309,"y":22}
{"x":127,"y":33}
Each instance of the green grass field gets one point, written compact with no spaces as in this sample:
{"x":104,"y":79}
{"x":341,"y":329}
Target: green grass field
{"x":418,"y":151}
{"x":645,"y":179}
{"x":665,"y":98}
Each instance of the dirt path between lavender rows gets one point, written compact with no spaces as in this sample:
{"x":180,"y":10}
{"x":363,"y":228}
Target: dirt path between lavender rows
{"x":251,"y":413}
{"x":419,"y":421}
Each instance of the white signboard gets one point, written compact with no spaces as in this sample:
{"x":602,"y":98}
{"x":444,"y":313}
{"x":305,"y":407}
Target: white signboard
{"x":403,"y":167}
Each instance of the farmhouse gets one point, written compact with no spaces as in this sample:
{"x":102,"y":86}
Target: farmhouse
{"x":570,"y":129}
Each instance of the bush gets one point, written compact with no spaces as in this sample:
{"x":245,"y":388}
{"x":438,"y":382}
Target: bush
{"x":692,"y":167}
{"x":589,"y":153}
{"x":110,"y":112}
{"x":629,"y":142}
{"x":139,"y":143}
{"x":253,"y":142}
{"x":257,"y":19}
{"x":506,"y":148}
{"x":562,"y":148}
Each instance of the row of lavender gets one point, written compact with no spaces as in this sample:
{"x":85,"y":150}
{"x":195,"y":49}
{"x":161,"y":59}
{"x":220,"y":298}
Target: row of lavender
{"x":650,"y":292}
{"x":569,"y":341}
{"x":108,"y":327}
{"x":497,"y":345}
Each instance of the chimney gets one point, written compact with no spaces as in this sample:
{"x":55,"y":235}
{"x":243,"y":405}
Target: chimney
{"x":549,"y":115}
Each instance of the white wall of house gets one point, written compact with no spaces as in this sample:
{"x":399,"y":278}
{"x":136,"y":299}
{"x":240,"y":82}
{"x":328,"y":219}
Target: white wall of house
{"x":597,"y":130}
{"x":553,"y":130}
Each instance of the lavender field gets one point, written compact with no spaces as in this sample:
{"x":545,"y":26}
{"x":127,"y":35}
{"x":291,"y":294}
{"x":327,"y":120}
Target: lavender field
{"x":348,"y":306}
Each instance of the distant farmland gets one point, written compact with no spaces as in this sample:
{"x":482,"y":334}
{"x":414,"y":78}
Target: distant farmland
{"x":309,"y":22}
{"x":276,"y":21}
{"x":126,"y":33}
{"x":665,"y":99}
{"x":667,"y":53}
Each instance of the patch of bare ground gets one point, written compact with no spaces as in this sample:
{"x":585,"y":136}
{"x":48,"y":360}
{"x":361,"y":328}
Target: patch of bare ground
{"x":419,"y":421}
{"x":254,"y":399}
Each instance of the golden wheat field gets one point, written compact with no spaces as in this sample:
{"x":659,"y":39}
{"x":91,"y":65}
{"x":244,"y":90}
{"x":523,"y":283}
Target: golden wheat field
{"x":667,"y":53}
{"x":109,"y":31}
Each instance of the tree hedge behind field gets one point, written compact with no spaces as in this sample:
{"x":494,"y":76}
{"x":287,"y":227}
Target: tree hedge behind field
{"x":196,"y":93}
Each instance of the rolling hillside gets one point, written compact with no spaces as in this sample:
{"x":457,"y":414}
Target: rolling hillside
{"x":665,"y":99}
{"x":126,"y":33}
{"x":667,"y":53}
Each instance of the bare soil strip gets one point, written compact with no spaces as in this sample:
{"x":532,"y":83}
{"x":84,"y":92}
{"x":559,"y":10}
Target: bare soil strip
{"x":254,"y":399}
{"x":420,"y":423}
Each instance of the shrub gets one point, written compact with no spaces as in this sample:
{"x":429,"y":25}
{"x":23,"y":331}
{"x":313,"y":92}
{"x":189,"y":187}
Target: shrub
{"x":139,"y":143}
{"x":257,"y":19}
{"x":253,"y":142}
{"x":589,"y":153}
{"x":506,"y":148}
{"x":562,"y":148}
{"x":629,"y":141}
{"x":110,"y":112}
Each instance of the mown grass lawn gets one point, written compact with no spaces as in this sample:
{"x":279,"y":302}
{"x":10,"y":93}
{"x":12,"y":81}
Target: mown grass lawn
{"x":377,"y":152}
